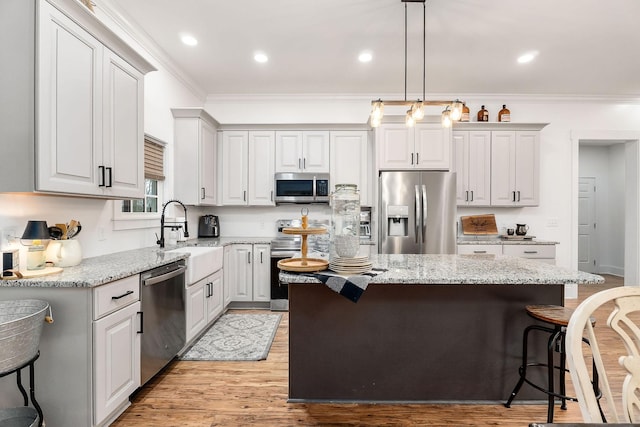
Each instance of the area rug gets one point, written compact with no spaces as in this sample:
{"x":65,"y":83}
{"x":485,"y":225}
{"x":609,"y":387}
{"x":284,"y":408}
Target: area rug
{"x":236,"y":337}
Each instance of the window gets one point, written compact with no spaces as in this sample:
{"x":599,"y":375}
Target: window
{"x":131,"y":212}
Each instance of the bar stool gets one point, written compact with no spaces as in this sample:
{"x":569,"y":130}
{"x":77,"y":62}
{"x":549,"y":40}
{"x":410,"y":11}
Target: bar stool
{"x":558,"y":317}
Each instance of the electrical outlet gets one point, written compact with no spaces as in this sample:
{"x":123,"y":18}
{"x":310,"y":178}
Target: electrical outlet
{"x":101,"y":234}
{"x":552,"y":222}
{"x":8,"y":237}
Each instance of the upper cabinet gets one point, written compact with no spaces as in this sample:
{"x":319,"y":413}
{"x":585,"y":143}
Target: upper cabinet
{"x":302,"y":151}
{"x":350,"y":161}
{"x":472,"y":164}
{"x":72,"y":113}
{"x":195,"y":156}
{"x":424,"y":146}
{"x":247,"y":168}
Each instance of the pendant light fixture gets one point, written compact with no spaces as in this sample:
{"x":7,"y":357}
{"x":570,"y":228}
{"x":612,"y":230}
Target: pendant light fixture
{"x":453,"y":109}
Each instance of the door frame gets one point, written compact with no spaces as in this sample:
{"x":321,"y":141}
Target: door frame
{"x":631,"y":139}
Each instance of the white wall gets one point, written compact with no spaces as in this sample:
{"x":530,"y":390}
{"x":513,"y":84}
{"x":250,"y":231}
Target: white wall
{"x":607,"y":165}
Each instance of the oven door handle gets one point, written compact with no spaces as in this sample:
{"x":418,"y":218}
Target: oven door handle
{"x":163,"y":277}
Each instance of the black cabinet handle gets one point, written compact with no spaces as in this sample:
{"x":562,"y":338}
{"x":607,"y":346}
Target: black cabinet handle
{"x":141,"y":323}
{"x":466,"y":196}
{"x":472,"y":195}
{"x":417,"y":158}
{"x":249,"y":257}
{"x":101,"y":168}
{"x":530,"y":252}
{"x":518,"y":195}
{"x":411,"y":158}
{"x":123,"y":295}
{"x":514,"y":196}
{"x":261,"y":262}
{"x":479,"y":252}
{"x":202,"y":191}
{"x":110,"y":177}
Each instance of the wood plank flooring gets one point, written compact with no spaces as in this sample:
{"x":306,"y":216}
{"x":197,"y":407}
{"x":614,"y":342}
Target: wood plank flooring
{"x":203,"y":394}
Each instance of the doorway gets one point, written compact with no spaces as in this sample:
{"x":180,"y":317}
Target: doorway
{"x":587,"y":225}
{"x":616,"y":204}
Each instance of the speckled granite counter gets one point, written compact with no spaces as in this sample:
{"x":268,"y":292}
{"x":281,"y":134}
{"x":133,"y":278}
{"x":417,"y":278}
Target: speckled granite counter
{"x":464,"y":269}
{"x":433,"y":328}
{"x":103,"y":269}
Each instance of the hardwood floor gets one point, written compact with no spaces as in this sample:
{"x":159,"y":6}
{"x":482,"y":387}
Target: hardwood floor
{"x":203,"y":394}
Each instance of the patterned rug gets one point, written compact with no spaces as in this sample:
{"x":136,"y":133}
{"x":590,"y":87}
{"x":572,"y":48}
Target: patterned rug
{"x":236,"y":337}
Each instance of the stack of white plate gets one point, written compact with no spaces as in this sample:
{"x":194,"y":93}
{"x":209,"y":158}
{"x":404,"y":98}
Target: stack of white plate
{"x":349,"y":266}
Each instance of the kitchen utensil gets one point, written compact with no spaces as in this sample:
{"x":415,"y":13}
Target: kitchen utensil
{"x":55,"y":233}
{"x":521,"y":229}
{"x":75,"y":230}
{"x":479,"y":224}
{"x":63,"y":228}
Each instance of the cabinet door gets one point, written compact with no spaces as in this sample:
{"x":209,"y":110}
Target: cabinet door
{"x":116,"y":356}
{"x":240,"y":273}
{"x":527,"y":168}
{"x":261,"y":168}
{"x":395,"y":147}
{"x":207,"y":162}
{"x":69,"y":108}
{"x":235,"y":152}
{"x":227,"y":277}
{"x":480,"y":249}
{"x":460,"y":147}
{"x":503,"y":165}
{"x":123,"y":143}
{"x":288,"y":151}
{"x":214,"y":296}
{"x":479,"y":168}
{"x":196,"y":308}
{"x":349,"y":161}
{"x":432,"y":146}
{"x":261,"y":273}
{"x":315,"y":152}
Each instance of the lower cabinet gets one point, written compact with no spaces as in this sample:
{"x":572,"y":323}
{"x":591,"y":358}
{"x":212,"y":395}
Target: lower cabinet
{"x":247,"y":272}
{"x":116,"y":346}
{"x":480,"y":249}
{"x":204,"y":302}
{"x":544,"y":253}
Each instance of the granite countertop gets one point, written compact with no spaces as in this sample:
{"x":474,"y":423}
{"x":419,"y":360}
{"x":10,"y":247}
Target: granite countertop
{"x":482,"y":240}
{"x":464,"y":269}
{"x":99,"y":270}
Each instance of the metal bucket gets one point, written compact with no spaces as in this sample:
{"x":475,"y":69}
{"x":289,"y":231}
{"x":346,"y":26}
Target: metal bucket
{"x":24,"y":416}
{"x":20,"y":328}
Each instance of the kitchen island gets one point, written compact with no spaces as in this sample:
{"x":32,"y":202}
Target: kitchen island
{"x":431,"y":328}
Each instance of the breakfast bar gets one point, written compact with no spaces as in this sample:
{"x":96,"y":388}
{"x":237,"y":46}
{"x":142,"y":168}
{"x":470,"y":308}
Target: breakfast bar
{"x":428,"y":328}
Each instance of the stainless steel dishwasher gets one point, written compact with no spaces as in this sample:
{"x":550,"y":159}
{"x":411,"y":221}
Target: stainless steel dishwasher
{"x":163,"y":317}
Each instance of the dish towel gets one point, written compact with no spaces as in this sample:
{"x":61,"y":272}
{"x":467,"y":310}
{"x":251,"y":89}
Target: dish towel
{"x":351,"y":287}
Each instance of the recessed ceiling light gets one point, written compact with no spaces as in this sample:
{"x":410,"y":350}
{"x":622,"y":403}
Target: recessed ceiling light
{"x":189,"y":40}
{"x":365,"y":57}
{"x":260,"y":57}
{"x":527,"y":57}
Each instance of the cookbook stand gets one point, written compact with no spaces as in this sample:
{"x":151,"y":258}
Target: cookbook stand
{"x":303,"y":264}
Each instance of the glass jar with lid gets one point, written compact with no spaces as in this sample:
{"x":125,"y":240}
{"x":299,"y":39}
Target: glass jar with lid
{"x":345,"y":221}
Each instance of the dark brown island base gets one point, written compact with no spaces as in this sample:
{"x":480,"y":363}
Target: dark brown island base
{"x":432,"y":328}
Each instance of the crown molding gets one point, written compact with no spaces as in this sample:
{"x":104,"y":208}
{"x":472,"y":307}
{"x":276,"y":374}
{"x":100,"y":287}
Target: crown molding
{"x":133,"y":30}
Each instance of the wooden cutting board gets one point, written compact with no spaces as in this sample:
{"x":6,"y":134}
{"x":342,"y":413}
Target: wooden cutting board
{"x":479,"y":224}
{"x":28,"y":274}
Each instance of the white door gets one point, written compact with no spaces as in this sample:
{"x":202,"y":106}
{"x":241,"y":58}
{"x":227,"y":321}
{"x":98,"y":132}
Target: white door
{"x":503,"y":164}
{"x":432,"y":146}
{"x":460,"y":147}
{"x":527,"y":168}
{"x":349,"y":165}
{"x":587,"y":225}
{"x":235,"y":152}
{"x":261,"y":167}
{"x":395,"y":147}
{"x":479,"y":168}
{"x":215,"y":295}
{"x":261,"y":273}
{"x":315,"y":151}
{"x":196,"y":308}
{"x":240,"y":272}
{"x":207,"y":164}
{"x":288,"y":151}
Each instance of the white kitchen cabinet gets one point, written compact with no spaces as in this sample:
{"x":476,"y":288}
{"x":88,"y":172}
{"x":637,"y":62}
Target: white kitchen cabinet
{"x":543,"y":253}
{"x":302,"y":151}
{"x":195,"y":156}
{"x":204,"y":303}
{"x":480,"y":249}
{"x":425,"y":146}
{"x":247,"y":271}
{"x":75,"y":103}
{"x":116,"y":346}
{"x":350,"y":161}
{"x":472,"y":164}
{"x":515,"y":168}
{"x":247,"y":166}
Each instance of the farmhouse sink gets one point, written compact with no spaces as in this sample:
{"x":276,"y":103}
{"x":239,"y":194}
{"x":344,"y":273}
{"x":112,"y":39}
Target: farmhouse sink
{"x":201,"y":262}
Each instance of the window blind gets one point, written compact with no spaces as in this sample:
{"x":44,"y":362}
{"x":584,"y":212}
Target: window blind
{"x":153,"y":159}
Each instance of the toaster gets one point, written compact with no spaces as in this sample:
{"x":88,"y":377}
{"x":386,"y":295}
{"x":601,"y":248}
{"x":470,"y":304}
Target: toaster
{"x":208,"y":226}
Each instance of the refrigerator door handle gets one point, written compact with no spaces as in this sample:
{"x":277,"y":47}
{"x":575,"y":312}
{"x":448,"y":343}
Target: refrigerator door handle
{"x":424,"y":214}
{"x":417,"y":224}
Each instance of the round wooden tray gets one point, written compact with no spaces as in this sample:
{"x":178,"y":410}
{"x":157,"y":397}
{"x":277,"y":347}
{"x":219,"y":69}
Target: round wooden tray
{"x":304,"y":231}
{"x":303,"y":264}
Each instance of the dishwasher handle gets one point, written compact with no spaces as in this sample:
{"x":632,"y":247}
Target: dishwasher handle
{"x":163,"y":277}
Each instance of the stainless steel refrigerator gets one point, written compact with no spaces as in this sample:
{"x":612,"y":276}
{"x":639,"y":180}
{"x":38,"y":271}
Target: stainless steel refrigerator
{"x":417,"y":213}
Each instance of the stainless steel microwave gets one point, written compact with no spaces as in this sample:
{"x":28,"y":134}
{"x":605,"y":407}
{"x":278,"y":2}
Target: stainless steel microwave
{"x":302,"y":188}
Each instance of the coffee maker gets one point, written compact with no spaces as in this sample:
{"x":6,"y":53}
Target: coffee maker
{"x":208,"y":226}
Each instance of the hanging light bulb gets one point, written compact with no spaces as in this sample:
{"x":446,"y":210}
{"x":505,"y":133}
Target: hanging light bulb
{"x":375,"y":122}
{"x":417,"y":110}
{"x":377,"y":111}
{"x":456,"y":110}
{"x":446,"y":117}
{"x":409,"y":120}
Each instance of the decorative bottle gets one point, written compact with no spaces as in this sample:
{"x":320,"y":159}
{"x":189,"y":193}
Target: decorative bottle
{"x":345,"y":221}
{"x":483,"y":115}
{"x":504,"y":115}
{"x":465,"y":113}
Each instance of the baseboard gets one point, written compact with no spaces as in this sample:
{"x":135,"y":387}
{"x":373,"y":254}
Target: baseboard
{"x":611,"y":269}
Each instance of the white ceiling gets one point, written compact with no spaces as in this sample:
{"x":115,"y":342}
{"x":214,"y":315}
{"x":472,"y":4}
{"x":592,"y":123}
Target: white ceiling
{"x":586,"y":47}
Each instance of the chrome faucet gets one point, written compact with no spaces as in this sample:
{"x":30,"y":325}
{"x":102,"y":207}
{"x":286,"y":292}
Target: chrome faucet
{"x":162,"y":226}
